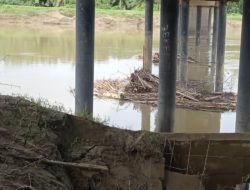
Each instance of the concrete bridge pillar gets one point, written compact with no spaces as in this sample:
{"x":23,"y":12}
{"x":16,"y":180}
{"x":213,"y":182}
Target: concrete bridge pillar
{"x":215,"y":34}
{"x":209,"y":24}
{"x":179,"y":30}
{"x":167,"y":67}
{"x":84,"y":73}
{"x":184,"y":40}
{"x":243,"y":103}
{"x":221,"y":47}
{"x":198,"y":33}
{"x":147,"y":49}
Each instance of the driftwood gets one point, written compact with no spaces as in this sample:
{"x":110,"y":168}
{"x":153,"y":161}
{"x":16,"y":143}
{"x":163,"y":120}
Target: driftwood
{"x":187,"y":96}
{"x":142,"y":87}
{"x":144,"y":83}
{"x":84,"y":166}
{"x":212,"y":98}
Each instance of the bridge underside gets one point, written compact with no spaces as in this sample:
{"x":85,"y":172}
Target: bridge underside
{"x":204,"y":3}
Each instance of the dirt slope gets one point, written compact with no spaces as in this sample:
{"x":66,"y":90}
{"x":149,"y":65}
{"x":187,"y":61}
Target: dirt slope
{"x":32,"y":138}
{"x":57,"y":21}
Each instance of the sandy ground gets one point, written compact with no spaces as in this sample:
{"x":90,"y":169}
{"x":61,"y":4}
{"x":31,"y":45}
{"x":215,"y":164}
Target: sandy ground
{"x":57,"y":21}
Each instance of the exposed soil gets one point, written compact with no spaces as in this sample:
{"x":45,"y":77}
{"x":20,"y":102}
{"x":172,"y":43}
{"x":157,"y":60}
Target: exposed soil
{"x":42,"y":149}
{"x":53,"y":20}
{"x":26,"y":131}
{"x":143,"y":88}
{"x":58,"y":21}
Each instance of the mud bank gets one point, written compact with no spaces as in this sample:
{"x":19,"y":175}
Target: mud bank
{"x":33,"y":137}
{"x":57,"y":21}
{"x":45,"y":149}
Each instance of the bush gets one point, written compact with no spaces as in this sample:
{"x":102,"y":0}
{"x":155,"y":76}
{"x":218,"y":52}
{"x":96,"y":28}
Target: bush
{"x":35,"y":2}
{"x":18,"y":2}
{"x":235,"y":8}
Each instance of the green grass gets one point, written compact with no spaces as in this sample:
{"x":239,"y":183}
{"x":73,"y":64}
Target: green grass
{"x":122,"y":13}
{"x":24,"y":10}
{"x":234,"y":17}
{"x":67,"y":11}
{"x":70,"y":11}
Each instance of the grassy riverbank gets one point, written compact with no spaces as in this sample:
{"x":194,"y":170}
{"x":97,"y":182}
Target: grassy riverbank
{"x":234,"y":17}
{"x":69,"y":11}
{"x":14,"y":10}
{"x":61,"y":18}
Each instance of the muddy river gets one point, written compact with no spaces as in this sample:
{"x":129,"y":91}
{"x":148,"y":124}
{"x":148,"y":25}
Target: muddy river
{"x":40,"y":64}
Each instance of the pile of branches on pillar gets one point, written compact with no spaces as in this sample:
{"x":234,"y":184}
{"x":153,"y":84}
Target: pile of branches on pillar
{"x":142,"y":87}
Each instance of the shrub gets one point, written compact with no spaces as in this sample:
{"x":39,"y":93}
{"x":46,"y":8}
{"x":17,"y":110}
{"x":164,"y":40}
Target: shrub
{"x":235,"y":7}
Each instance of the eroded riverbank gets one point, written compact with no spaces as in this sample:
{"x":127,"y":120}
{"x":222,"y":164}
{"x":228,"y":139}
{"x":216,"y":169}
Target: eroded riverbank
{"x":58,"y":20}
{"x":46,"y":149}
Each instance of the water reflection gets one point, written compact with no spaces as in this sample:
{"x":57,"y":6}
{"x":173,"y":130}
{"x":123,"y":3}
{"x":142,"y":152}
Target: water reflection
{"x":127,"y":114}
{"x":197,"y":121}
{"x":24,"y":45}
{"x":145,"y":117}
{"x":42,"y":64}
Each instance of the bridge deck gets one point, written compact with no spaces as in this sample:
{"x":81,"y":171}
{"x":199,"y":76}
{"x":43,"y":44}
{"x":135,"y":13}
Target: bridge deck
{"x":205,"y":3}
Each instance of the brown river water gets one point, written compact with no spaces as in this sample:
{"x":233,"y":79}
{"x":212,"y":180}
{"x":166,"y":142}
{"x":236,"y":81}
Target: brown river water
{"x":40,"y":64}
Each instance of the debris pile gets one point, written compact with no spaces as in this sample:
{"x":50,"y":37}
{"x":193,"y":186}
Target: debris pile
{"x":142,"y":87}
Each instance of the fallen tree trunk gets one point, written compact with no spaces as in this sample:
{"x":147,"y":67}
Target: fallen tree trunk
{"x":83,"y":166}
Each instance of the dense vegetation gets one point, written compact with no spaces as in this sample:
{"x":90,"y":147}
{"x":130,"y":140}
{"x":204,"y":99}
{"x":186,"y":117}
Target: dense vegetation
{"x":119,"y":4}
{"x":233,"y":7}
{"x":50,"y":3}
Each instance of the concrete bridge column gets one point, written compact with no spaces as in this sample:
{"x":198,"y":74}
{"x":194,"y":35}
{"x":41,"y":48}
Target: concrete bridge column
{"x":179,"y":35}
{"x":209,"y":24}
{"x":147,"y":50}
{"x":179,"y":32}
{"x":198,"y":33}
{"x":221,"y":47}
{"x":184,"y":40}
{"x":84,"y":73}
{"x":167,"y":67}
{"x":243,"y":103}
{"x":215,"y":34}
